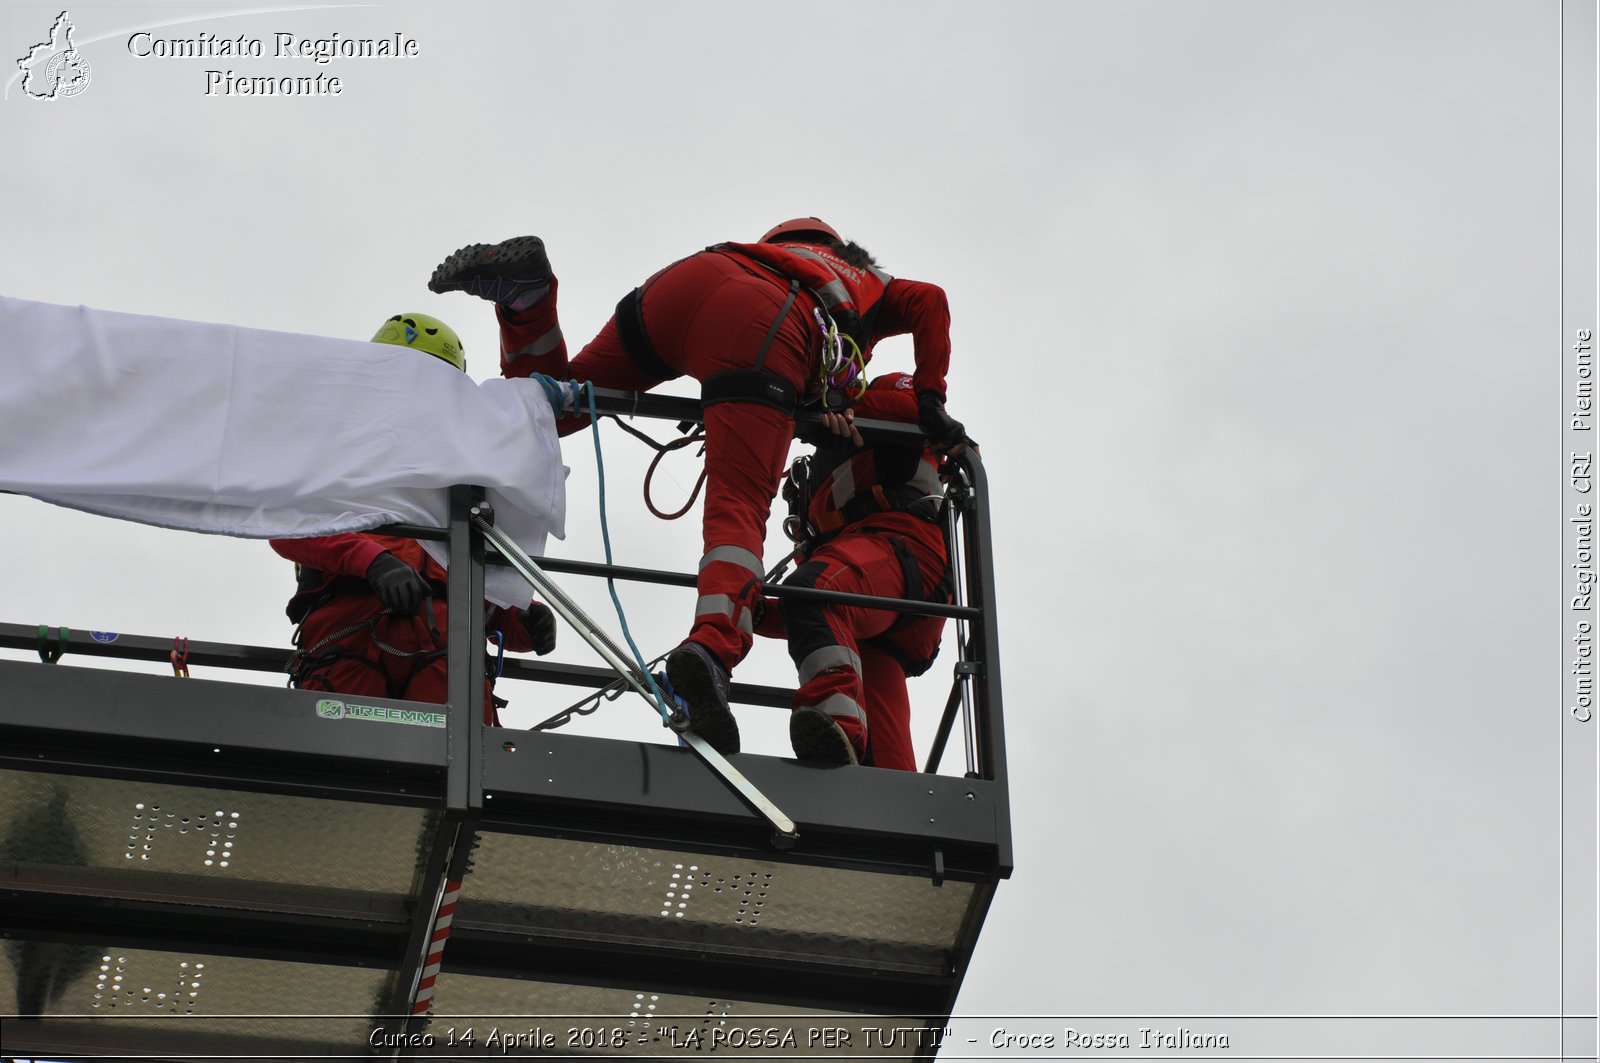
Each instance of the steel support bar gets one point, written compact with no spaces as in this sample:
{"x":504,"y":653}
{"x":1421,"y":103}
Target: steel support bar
{"x":682,"y":579}
{"x":953,"y":526}
{"x":777,"y":590}
{"x":678,"y":408}
{"x":947,"y":721}
{"x":614,"y":655}
{"x":577,"y":675}
{"x":447,"y":851}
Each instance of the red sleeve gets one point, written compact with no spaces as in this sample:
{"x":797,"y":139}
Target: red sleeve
{"x":509,"y":624}
{"x":922,"y":310}
{"x":344,"y":555}
{"x":888,"y":404}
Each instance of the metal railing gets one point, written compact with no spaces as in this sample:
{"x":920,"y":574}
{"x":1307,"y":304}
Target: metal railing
{"x":974,"y":699}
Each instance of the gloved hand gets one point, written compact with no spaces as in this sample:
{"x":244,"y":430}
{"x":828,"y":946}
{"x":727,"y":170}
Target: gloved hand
{"x":945,"y":432}
{"x":541,"y":624}
{"x":398,"y":586}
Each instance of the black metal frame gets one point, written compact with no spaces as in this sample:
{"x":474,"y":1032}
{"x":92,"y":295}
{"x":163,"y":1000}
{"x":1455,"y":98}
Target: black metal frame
{"x":479,"y":780}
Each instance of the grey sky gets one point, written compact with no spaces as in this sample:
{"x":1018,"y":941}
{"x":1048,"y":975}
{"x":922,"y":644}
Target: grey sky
{"x":1255,"y":315}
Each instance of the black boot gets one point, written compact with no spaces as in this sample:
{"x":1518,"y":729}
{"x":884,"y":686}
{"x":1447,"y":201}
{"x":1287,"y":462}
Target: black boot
{"x":700,"y":680}
{"x":515,"y":273}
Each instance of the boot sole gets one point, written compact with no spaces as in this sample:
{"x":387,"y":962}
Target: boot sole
{"x":515,"y":252}
{"x":816,"y":737}
{"x":709,"y":717}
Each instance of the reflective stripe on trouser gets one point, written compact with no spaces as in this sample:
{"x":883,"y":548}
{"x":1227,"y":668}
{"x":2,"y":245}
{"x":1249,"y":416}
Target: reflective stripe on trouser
{"x":840,"y":706}
{"x":820,"y":660}
{"x":544,"y":344}
{"x":531,"y":340}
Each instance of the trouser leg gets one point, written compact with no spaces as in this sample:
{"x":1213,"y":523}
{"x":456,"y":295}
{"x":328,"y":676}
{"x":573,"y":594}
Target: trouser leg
{"x":747,"y":446}
{"x":825,"y":641}
{"x":888,"y":706}
{"x":531,"y":339}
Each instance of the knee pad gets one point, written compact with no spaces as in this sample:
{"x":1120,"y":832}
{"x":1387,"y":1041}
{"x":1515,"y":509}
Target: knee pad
{"x":808,"y":629}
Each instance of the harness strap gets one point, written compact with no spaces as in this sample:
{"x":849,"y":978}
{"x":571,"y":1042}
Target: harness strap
{"x":899,"y":499}
{"x":777,"y":322}
{"x":304,"y":663}
{"x":749,"y":385}
{"x":914,"y":589}
{"x":911,"y":573}
{"x":636,"y":341}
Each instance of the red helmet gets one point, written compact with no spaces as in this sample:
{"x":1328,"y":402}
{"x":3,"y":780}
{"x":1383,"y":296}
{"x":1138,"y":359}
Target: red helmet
{"x":801,"y":225}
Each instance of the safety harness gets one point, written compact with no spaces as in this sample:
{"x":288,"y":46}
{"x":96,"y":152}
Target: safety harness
{"x":841,"y":362}
{"x":308,"y":663}
{"x":810,"y":526}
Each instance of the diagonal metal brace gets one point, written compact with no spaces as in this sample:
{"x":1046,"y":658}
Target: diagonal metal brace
{"x":784,"y":833}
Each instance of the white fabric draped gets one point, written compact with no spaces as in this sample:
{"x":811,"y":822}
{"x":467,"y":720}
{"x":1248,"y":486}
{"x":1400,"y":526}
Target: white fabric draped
{"x":246,"y":432}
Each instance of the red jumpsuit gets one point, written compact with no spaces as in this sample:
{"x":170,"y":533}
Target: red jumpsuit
{"x":709,"y":313}
{"x":876,"y":511}
{"x":350,"y":645}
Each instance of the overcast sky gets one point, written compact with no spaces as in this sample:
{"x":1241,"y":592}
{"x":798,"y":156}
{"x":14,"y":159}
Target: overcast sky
{"x":1255,"y":314}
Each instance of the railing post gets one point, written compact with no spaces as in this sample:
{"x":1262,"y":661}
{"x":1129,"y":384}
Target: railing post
{"x":464,"y":712}
{"x":445,"y":864}
{"x":985,"y":632}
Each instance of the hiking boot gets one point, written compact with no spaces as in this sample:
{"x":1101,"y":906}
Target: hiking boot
{"x":815,"y":736}
{"x":515,"y":273}
{"x":699,"y":679}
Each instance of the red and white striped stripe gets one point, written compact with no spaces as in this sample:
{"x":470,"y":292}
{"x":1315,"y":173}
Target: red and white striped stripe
{"x":441,"y":933}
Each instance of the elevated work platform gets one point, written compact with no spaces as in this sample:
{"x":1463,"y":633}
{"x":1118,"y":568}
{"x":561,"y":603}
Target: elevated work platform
{"x":193,"y":868}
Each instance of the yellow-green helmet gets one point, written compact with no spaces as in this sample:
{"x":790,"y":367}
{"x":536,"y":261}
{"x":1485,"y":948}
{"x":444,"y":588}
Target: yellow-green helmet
{"x":425,"y":333}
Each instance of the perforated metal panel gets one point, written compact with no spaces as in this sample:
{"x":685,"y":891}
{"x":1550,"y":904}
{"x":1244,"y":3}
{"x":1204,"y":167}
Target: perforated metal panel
{"x":111,"y":992}
{"x":207,"y":846}
{"x":522,"y":883}
{"x":526,"y":1017}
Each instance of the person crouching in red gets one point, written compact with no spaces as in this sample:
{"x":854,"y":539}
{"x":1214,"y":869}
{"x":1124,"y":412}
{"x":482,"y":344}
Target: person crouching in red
{"x":760,"y":326}
{"x":873,"y":517}
{"x":372,"y":610}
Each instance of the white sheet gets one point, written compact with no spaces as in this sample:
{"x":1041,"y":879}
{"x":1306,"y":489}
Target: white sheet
{"x":246,"y":432}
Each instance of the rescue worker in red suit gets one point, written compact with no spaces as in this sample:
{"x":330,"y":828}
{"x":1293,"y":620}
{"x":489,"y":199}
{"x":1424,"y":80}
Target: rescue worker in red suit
{"x":749,"y":322}
{"x":372,"y":609}
{"x":873,"y":525}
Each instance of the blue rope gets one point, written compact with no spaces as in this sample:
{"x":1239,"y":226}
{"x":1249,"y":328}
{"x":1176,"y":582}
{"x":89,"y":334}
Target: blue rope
{"x":605,"y":536}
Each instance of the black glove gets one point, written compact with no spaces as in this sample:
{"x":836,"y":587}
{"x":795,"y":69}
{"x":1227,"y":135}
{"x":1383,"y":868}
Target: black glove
{"x":398,"y":586}
{"x":942,"y":430}
{"x":540,"y":622}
